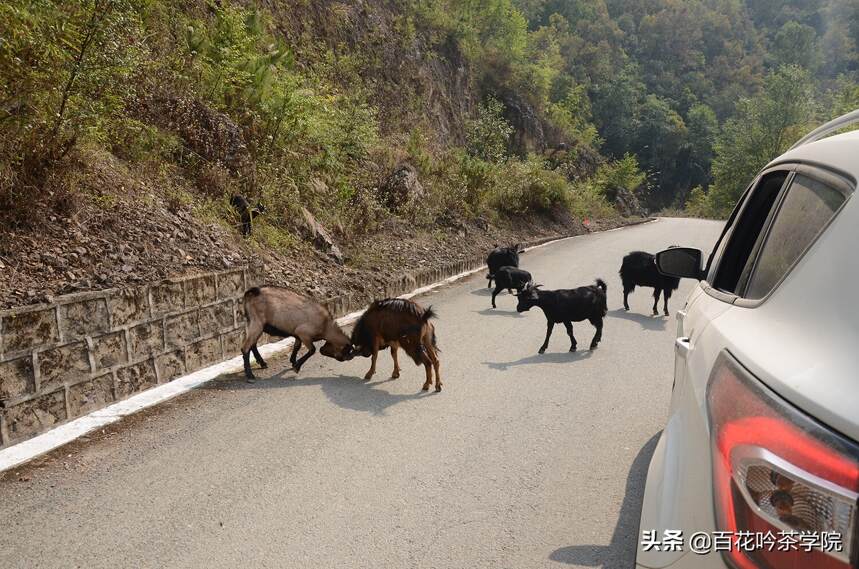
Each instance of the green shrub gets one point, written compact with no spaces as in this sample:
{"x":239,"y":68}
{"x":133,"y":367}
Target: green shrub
{"x":697,"y":204}
{"x":623,"y":174}
{"x":488,"y":135}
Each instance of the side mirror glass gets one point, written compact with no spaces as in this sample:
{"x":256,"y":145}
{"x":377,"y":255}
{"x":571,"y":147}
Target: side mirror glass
{"x":681,"y":262}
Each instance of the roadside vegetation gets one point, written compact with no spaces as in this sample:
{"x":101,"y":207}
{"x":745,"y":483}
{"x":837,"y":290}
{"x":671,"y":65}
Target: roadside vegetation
{"x":503,"y":107}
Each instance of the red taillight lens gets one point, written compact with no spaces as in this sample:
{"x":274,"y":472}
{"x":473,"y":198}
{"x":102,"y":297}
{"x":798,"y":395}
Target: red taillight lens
{"x":776,"y":470}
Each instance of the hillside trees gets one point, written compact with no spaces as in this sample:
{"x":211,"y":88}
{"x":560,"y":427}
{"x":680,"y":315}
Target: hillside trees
{"x":65,"y":68}
{"x":764,"y":127}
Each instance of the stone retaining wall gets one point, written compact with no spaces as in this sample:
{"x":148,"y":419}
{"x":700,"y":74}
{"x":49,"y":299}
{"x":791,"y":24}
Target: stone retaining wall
{"x":81,"y":352}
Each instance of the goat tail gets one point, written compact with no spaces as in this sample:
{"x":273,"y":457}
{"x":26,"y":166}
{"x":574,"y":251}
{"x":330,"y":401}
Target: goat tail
{"x":251,"y":293}
{"x":428,"y":314}
{"x":603,"y":302}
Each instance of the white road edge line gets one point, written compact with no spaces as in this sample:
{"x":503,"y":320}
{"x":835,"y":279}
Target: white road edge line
{"x":29,"y":449}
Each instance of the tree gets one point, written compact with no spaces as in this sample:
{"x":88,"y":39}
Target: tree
{"x":67,"y":64}
{"x":615,"y":104}
{"x":703,"y":127}
{"x":488,"y":135}
{"x":659,"y":141}
{"x":796,"y":44}
{"x":763,"y":128}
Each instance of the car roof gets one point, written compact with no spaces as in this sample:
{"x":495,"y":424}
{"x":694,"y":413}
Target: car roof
{"x":837,"y":152}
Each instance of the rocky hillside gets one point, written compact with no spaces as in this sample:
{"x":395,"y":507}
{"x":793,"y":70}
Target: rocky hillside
{"x":377,"y":136}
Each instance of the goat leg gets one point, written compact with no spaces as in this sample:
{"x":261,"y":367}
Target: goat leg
{"x":249,"y":374}
{"x":597,"y":322}
{"x":494,"y":294}
{"x":254,"y":331}
{"x":549,"y":327}
{"x":258,"y":357}
{"x":394,"y":349}
{"x":294,"y":356}
{"x":369,"y":375}
{"x":666,"y":295}
{"x":656,"y":301}
{"x":311,"y":349}
{"x":435,"y":365}
{"x":428,"y":369}
{"x":573,"y":343}
{"x":625,"y":302}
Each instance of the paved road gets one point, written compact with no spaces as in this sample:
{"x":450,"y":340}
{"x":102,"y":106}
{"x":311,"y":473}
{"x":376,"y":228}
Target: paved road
{"x":523,"y":461}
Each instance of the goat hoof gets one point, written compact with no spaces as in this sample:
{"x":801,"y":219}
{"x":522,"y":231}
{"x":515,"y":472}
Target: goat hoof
{"x":395,"y":375}
{"x":626,"y":308}
{"x":251,"y":379}
{"x":666,"y":313}
{"x":425,"y":387}
{"x":593,"y":346}
{"x":263,"y":365}
{"x":368,"y":377}
{"x":541,"y":351}
{"x":573,"y":349}
{"x":438,"y":388}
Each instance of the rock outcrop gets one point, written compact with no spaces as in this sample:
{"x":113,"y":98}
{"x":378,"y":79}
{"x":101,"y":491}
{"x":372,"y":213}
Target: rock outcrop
{"x":320,"y":237}
{"x":401,"y":187}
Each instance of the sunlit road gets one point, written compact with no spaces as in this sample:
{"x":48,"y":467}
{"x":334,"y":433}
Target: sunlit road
{"x":524,"y":460}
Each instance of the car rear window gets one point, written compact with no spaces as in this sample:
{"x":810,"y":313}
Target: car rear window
{"x":805,"y":211}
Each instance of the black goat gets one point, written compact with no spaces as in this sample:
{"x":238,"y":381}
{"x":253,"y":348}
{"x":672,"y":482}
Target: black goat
{"x":567,"y":306}
{"x":247,"y":212}
{"x":503,"y":257}
{"x":639,"y":269}
{"x":510,"y":278}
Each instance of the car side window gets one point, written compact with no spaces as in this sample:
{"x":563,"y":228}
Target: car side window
{"x":806,"y":209}
{"x":750,"y":223}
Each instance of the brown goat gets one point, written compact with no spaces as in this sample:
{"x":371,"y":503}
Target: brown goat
{"x":281,"y":312}
{"x":398,"y":323}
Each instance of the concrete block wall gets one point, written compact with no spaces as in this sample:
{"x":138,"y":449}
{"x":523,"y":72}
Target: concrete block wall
{"x":82,"y":352}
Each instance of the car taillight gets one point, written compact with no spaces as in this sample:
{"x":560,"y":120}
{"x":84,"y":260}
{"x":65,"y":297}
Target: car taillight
{"x":777,"y":471}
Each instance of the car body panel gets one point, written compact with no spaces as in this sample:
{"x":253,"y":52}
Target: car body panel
{"x":802,"y":341}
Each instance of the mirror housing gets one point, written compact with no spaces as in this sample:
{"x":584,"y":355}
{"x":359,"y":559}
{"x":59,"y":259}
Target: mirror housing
{"x":680,"y":262}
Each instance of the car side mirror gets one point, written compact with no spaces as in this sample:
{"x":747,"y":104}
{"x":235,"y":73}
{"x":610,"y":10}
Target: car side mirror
{"x":681,"y":262}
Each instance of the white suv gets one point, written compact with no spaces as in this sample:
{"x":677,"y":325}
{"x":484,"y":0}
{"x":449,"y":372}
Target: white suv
{"x":758,"y":466}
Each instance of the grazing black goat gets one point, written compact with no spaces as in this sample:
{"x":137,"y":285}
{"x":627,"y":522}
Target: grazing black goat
{"x":503,"y":257}
{"x":567,"y":306}
{"x":639,"y":269}
{"x":510,"y":278}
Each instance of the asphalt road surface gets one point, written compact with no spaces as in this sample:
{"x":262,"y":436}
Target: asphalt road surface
{"x":524,"y":460}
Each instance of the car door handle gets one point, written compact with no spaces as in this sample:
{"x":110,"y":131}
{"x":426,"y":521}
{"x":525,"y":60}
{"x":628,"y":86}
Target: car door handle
{"x":682,"y":346}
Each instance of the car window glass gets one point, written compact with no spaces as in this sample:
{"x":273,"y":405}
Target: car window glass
{"x":751,"y":221}
{"x":716,"y":253}
{"x":807,"y":208}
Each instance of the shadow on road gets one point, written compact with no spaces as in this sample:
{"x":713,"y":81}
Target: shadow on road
{"x":483,"y":291}
{"x":647,"y":322}
{"x":499,"y":312}
{"x":347,"y":392}
{"x":547,"y":358}
{"x":620,"y":553}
